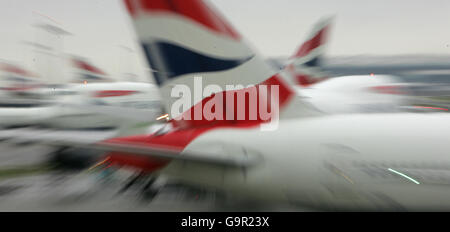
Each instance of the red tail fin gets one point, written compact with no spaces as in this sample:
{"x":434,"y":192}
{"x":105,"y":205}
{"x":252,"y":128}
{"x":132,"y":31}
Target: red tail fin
{"x":88,"y":72}
{"x":304,"y":64}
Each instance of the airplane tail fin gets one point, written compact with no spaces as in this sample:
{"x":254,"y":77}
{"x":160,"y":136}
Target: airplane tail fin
{"x":304,"y":65}
{"x":88,"y":72}
{"x":16,"y":78}
{"x":15,"y":70}
{"x":190,"y":46}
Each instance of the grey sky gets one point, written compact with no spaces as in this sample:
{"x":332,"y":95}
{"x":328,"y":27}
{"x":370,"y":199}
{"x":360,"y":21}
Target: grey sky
{"x":275,"y":27}
{"x":361,"y":26}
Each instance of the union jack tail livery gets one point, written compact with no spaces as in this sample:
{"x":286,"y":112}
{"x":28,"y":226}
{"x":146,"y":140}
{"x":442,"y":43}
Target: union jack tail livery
{"x":305,"y":63}
{"x":184,"y":39}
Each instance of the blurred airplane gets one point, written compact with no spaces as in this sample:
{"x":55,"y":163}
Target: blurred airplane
{"x":350,"y":94}
{"x":88,"y":73}
{"x":304,"y":64}
{"x":92,"y":100}
{"x":16,"y":82}
{"x":362,"y":161}
{"x":19,"y":97}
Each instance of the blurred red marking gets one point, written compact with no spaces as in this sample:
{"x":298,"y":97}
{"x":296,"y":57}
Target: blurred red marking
{"x":20,"y":88}
{"x":46,"y":16}
{"x":430,"y":107}
{"x":312,"y":44}
{"x":114,"y":93}
{"x":14,"y":69}
{"x":85,"y":66}
{"x":187,"y":119}
{"x":130,"y":7}
{"x":303,"y":79}
{"x":387,"y":89}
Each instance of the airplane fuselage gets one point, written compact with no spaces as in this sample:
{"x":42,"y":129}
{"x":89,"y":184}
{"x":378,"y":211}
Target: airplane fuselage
{"x":355,"y":94}
{"x":140,"y":97}
{"x":363,"y":162}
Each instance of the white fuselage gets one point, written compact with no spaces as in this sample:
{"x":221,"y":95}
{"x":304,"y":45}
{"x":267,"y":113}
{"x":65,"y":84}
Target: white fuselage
{"x":19,"y":102}
{"x":353,"y":94}
{"x":80,"y":106}
{"x":335,"y":162}
{"x":142,"y":98}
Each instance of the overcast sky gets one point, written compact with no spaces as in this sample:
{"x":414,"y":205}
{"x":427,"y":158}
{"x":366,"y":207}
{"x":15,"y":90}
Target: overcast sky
{"x":274,"y":27}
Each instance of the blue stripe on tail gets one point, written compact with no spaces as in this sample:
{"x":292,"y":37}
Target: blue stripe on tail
{"x":170,"y":61}
{"x":313,"y":63}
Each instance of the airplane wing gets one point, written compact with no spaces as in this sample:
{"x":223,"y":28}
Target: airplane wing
{"x":98,"y":141}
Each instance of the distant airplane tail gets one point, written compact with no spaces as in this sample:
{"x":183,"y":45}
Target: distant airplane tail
{"x":304,"y":65}
{"x":15,"y":78}
{"x":88,"y":72}
{"x":15,"y":70}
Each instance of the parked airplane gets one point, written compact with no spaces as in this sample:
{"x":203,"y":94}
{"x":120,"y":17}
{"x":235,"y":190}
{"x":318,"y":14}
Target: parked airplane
{"x":360,"y":161}
{"x":18,"y":97}
{"x":87,"y":73}
{"x":16,"y":84}
{"x":94,"y":100}
{"x":341,"y":94}
{"x":304,"y":64}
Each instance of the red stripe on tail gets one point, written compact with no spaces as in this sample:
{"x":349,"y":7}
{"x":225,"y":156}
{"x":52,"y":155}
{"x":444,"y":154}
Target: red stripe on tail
{"x":303,"y":79}
{"x":16,"y":70}
{"x":195,"y":10}
{"x":85,"y":66}
{"x":250,"y":108}
{"x":312,"y":44}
